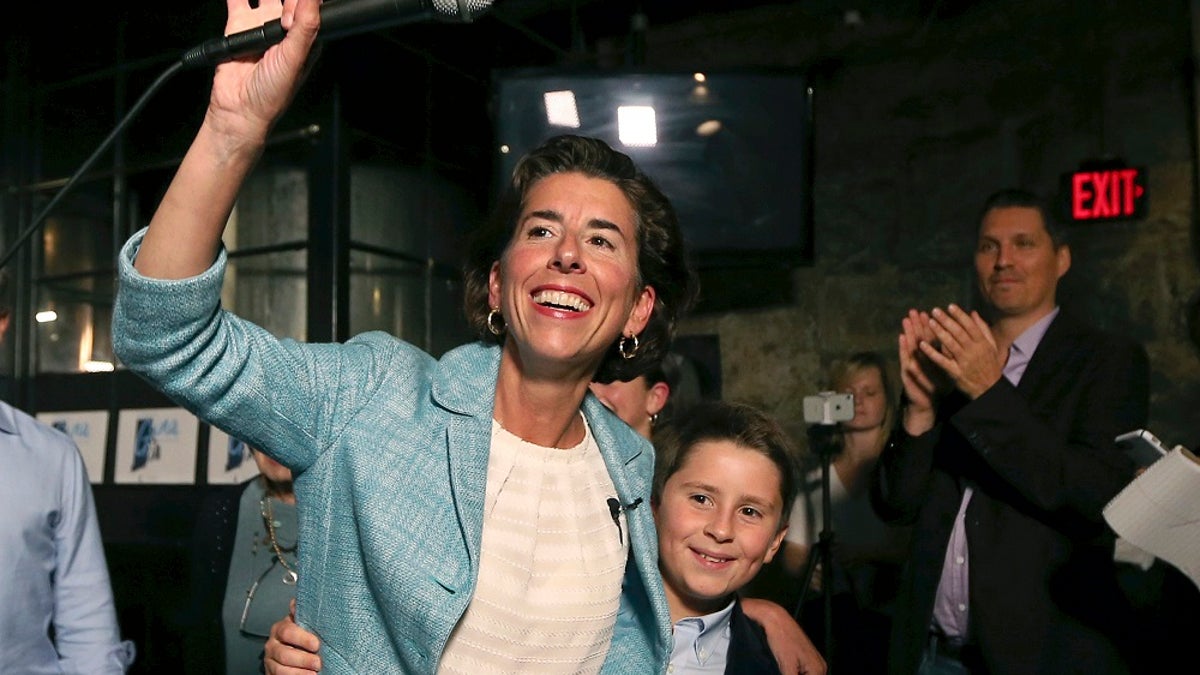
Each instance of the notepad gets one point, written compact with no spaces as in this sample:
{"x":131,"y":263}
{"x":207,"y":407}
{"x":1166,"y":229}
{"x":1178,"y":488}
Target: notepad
{"x":1159,"y":511}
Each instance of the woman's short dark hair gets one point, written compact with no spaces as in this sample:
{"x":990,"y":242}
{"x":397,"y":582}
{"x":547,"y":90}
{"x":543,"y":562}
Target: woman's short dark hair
{"x":739,"y":423}
{"x":662,"y":261}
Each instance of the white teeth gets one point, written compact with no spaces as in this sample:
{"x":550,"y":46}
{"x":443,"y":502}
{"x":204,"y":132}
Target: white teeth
{"x":712,"y":559}
{"x":562,"y":299}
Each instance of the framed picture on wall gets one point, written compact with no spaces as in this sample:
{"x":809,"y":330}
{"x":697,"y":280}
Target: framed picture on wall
{"x":89,"y":430}
{"x":156,"y":445}
{"x":229,"y":460}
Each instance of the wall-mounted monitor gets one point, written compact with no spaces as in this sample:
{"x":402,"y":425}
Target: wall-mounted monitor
{"x":731,"y":149}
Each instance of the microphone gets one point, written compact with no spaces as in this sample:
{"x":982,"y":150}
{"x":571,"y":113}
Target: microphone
{"x":614,"y":510}
{"x":339,"y":18}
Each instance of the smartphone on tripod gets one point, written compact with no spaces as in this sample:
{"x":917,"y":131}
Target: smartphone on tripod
{"x":822,"y":413}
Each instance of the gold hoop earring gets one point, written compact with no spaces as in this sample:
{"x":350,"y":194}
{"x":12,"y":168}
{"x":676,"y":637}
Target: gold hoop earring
{"x":495,"y":322}
{"x":624,"y":349}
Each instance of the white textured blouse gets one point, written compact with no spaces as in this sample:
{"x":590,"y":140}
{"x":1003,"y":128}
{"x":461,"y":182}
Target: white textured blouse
{"x":551,"y":563}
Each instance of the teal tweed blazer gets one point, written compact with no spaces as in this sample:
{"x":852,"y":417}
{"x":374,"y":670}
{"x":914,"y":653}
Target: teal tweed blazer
{"x":390,"y":451}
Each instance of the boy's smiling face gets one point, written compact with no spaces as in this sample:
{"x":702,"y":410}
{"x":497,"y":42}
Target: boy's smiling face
{"x":718,"y":520}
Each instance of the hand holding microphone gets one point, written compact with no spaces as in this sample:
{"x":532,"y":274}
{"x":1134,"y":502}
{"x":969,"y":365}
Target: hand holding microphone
{"x":249,"y":94}
{"x":258,"y":95}
{"x":261,"y":64}
{"x":339,"y":18}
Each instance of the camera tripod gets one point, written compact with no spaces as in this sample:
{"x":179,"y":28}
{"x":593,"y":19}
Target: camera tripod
{"x":821,"y":440}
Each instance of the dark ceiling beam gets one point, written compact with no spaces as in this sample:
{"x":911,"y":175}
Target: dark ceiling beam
{"x":534,"y":36}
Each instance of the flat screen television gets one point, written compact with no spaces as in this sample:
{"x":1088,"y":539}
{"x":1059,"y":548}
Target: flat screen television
{"x":731,"y":149}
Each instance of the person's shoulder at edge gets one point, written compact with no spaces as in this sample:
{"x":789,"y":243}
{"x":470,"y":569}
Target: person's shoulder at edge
{"x":33,"y":433}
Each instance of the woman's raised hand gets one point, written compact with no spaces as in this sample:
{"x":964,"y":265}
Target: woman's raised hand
{"x":249,"y":93}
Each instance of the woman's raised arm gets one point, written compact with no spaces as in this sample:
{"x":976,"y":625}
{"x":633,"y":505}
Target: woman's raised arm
{"x":248,"y":96}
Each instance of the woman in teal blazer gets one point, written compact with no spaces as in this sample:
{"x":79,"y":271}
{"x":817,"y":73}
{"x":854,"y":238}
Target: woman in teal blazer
{"x":581,"y":276}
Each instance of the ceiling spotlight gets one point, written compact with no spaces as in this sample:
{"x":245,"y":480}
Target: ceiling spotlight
{"x":636,"y":126}
{"x":561,"y":110}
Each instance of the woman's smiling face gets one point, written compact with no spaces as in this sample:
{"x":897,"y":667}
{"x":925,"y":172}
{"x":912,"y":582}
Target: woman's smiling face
{"x":568,"y":283}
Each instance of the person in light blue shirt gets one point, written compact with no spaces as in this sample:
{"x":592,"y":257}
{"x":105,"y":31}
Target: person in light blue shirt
{"x":56,"y":604}
{"x":55,"y":574}
{"x":724,"y":483}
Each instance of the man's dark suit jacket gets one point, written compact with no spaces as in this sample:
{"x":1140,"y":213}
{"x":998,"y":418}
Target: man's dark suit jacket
{"x":1043,"y":463}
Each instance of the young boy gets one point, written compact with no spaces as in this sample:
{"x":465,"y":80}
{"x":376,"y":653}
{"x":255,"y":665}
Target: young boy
{"x":724,"y":482}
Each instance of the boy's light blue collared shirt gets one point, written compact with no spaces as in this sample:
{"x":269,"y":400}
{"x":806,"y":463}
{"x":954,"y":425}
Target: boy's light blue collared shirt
{"x":701,"y":644}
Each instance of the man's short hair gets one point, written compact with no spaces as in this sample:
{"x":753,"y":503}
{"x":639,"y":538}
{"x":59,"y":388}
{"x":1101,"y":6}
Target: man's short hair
{"x":1021,"y":198}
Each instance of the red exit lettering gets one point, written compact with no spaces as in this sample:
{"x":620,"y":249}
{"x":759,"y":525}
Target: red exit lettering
{"x":1105,"y":194}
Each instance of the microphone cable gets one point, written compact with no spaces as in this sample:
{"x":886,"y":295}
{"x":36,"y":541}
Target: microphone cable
{"x":348,"y":16}
{"x":87,"y":164}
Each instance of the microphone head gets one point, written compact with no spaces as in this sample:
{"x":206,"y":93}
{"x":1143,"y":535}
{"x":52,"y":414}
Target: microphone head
{"x":461,"y":10}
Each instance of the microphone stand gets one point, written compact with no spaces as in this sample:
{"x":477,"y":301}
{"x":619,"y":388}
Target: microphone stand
{"x":822,"y":551}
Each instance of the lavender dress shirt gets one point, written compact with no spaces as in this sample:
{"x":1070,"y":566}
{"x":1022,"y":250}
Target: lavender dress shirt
{"x":951,"y":605}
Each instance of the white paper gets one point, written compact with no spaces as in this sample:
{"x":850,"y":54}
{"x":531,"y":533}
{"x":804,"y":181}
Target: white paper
{"x":1159,"y":511}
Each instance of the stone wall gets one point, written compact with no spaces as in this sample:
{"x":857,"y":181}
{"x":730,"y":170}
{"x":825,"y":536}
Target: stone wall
{"x":916,"y":121}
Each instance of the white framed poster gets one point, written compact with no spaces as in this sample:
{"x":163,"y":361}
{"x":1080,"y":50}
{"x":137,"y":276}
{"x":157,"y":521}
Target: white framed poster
{"x":89,"y":430}
{"x":156,"y":445}
{"x":229,"y":460}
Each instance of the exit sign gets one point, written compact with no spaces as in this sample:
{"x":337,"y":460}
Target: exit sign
{"x":1105,"y":192}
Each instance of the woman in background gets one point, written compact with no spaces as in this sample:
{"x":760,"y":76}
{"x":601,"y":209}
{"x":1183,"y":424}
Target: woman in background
{"x":245,"y":543}
{"x":640,"y":402}
{"x":867,"y":553}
